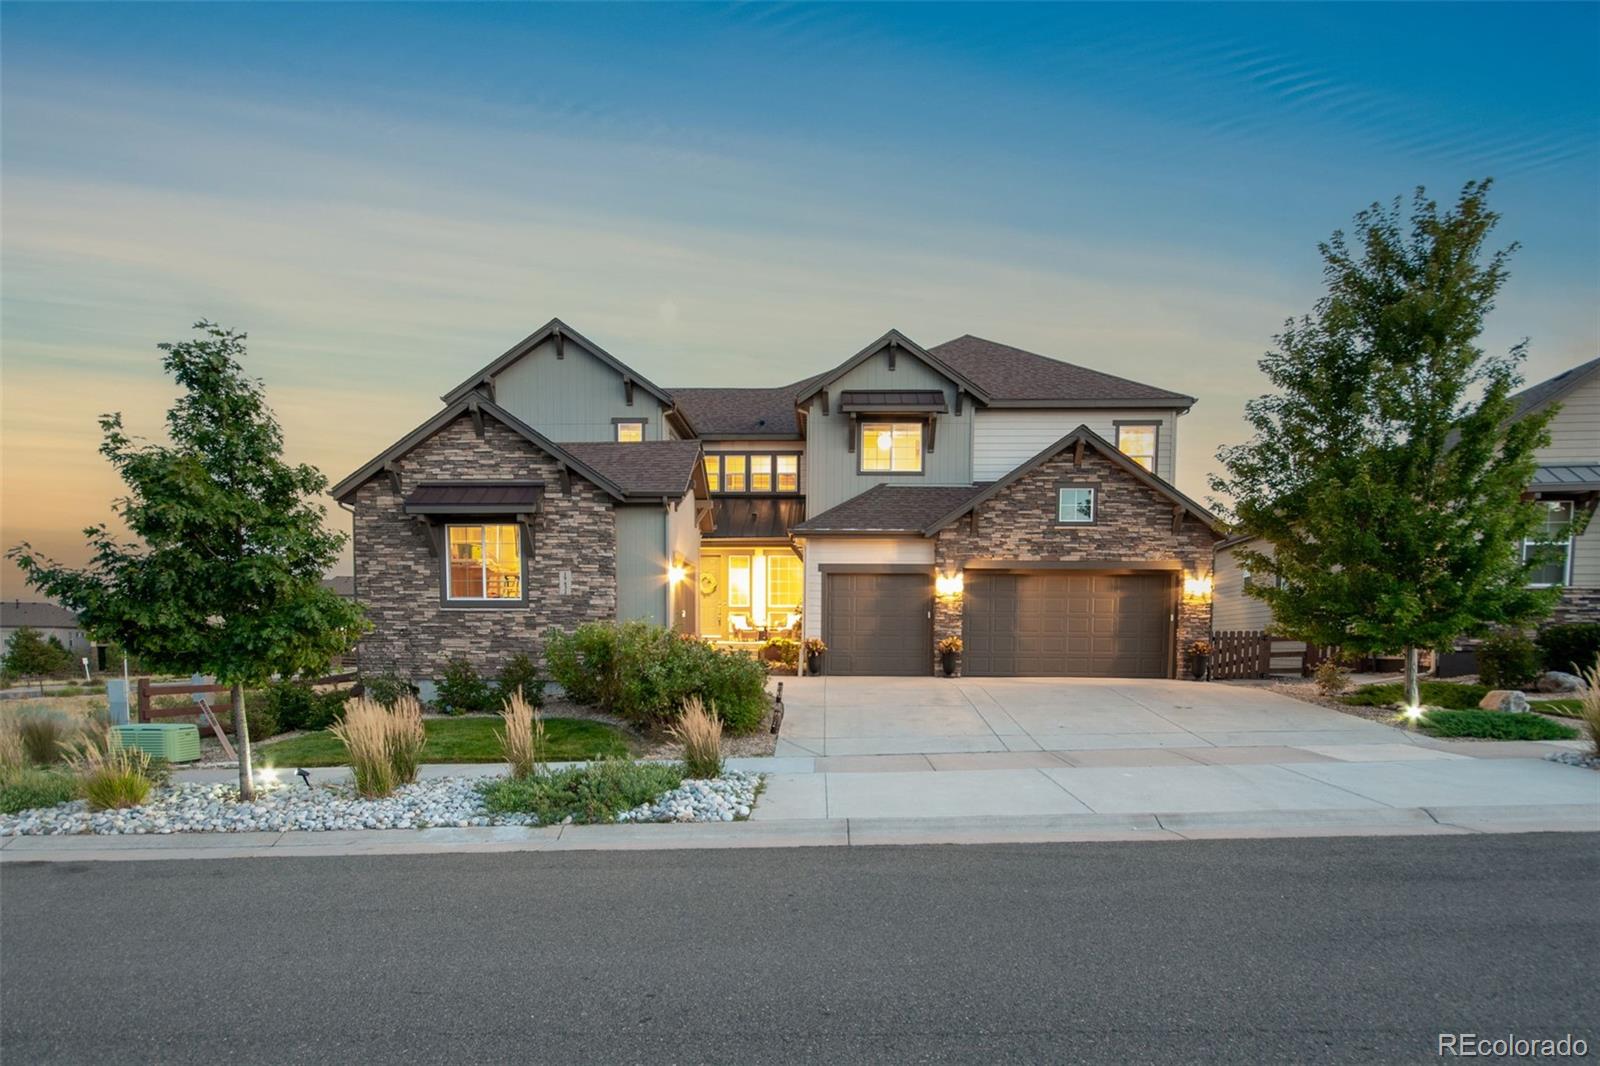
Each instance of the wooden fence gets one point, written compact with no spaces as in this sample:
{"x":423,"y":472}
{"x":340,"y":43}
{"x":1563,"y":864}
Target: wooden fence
{"x":1250,"y":653}
{"x":149,"y":690}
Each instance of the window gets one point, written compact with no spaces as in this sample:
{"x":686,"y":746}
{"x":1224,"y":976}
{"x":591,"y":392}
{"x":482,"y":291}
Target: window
{"x":761,"y":473}
{"x":1075,"y":506}
{"x":484,"y":563}
{"x":1138,"y":442}
{"x":788,"y":473}
{"x":739,"y":581}
{"x":891,"y":447}
{"x":783,"y":581}
{"x":629,"y":431}
{"x":733,"y":473}
{"x":1557,"y":516}
{"x":714,"y":473}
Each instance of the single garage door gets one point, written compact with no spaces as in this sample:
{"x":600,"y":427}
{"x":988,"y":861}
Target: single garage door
{"x":1067,"y":623}
{"x":878,"y":623}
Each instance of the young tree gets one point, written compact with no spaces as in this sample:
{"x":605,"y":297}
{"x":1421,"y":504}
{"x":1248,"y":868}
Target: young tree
{"x":226,"y":577}
{"x":1386,"y":473}
{"x":29,"y":654}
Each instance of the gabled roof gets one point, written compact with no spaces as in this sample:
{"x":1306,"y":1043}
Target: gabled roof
{"x":564,"y":333}
{"x":1093,"y":440}
{"x":37,"y":615}
{"x":472,"y":403}
{"x":885,"y":509}
{"x":731,"y":413}
{"x":1016,"y":378}
{"x":900,"y":342}
{"x":643,"y":468}
{"x":1548,"y":392}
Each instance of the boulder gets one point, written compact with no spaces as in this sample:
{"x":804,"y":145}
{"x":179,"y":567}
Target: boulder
{"x":1559,"y":681}
{"x":1508,"y":700}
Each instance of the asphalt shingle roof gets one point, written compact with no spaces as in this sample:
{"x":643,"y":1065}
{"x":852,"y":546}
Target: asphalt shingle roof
{"x":1011,"y":374}
{"x":891,"y":509}
{"x":725,"y":412}
{"x":37,"y":615}
{"x":643,"y":468}
{"x":1538,"y":395}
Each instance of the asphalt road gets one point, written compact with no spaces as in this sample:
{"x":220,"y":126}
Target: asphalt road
{"x":1351,"y":950}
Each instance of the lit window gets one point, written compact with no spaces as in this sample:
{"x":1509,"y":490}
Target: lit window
{"x":892,"y":447}
{"x":739,"y":581}
{"x":714,"y":473}
{"x":630,"y":432}
{"x":1075,"y":506}
{"x":783,"y":581}
{"x":761,"y":473}
{"x":788,"y":473}
{"x":733,"y":473}
{"x":1557,"y":517}
{"x":1138,"y":442}
{"x":485,"y":563}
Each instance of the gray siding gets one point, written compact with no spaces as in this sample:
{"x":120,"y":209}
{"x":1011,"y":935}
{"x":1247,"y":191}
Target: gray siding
{"x":1231,"y":607}
{"x":1575,"y":438}
{"x":642,"y":563}
{"x":1004,"y":438}
{"x":572,"y":399}
{"x":830,"y":465}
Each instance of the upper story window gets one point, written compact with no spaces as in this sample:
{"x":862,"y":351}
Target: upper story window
{"x":629,"y":430}
{"x":759,"y":472}
{"x":484,"y":563}
{"x":1075,"y":505}
{"x":1558,"y":571}
{"x":1137,"y":440}
{"x":891,"y":447}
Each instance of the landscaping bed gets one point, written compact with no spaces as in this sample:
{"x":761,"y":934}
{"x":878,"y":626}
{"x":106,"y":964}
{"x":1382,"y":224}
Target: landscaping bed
{"x":466,"y":739}
{"x":1492,"y":725}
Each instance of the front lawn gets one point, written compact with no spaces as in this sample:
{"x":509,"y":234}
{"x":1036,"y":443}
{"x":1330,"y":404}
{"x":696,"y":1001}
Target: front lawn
{"x":1447,"y":694}
{"x":1493,"y":725}
{"x":456,"y":740}
{"x":1572,"y":708}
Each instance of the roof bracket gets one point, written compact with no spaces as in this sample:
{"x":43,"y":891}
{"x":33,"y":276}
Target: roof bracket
{"x":526,"y":522}
{"x":972,"y":521}
{"x":1177,"y":517}
{"x":850,"y":443}
{"x":890,"y":349}
{"x":1077,"y":452}
{"x":566,"y":480}
{"x":824,"y":395}
{"x":477,"y":418}
{"x":561,"y":343}
{"x":392,"y":468}
{"x":959,"y":394}
{"x":428,"y":533}
{"x":627,"y":390}
{"x":928,"y":428}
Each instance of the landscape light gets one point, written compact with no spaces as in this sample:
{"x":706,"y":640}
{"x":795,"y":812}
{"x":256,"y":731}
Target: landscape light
{"x":305,"y":775}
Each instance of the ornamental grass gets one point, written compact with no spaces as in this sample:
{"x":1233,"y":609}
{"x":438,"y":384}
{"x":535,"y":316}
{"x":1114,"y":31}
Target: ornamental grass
{"x":384,"y":744}
{"x":522,"y":742}
{"x":110,"y":778}
{"x":1589,"y":706}
{"x":701,"y":733}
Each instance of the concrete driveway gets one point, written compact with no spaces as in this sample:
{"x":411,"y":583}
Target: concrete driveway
{"x":848,"y":716}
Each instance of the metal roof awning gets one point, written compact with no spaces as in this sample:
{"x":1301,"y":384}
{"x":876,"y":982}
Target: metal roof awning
{"x":892,"y":400}
{"x":1566,"y":478}
{"x":475,"y":497}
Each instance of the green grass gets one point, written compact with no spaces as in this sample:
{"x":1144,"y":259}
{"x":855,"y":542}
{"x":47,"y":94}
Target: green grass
{"x":1494,"y":725}
{"x":455,"y":740}
{"x":1446,"y":694}
{"x":1560,"y":708}
{"x":24,"y":788}
{"x":595,"y":793}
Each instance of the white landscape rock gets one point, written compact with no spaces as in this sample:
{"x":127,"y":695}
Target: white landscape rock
{"x":445,"y":801}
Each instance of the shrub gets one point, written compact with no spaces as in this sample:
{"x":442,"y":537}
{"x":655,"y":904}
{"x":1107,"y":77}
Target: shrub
{"x":327,"y":708}
{"x":461,"y":690}
{"x":522,"y":743}
{"x":23,"y":788}
{"x":1447,"y":694}
{"x":520,"y":675}
{"x":1589,"y":705}
{"x":1331,"y":677}
{"x":291,"y":703}
{"x":784,"y":651}
{"x":384,"y":745}
{"x":113,"y":778}
{"x":1507,"y":659}
{"x":594,"y":793}
{"x":387,"y":688}
{"x":948,"y":645}
{"x":1494,"y":725}
{"x":1569,"y":646}
{"x":701,"y":733}
{"x":260,"y":715}
{"x":585,"y":662}
{"x":44,"y":734}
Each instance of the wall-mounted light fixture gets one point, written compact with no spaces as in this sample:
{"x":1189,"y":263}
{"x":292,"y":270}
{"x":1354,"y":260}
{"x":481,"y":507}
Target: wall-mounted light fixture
{"x":676,"y":573}
{"x":1197,"y":587}
{"x":948,"y":584}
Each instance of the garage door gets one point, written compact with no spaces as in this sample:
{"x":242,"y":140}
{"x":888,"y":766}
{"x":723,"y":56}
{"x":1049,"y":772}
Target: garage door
{"x":1067,"y":624}
{"x":878,"y":623}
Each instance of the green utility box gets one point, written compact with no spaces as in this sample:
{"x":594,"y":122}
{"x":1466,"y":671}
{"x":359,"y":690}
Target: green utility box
{"x":174,"y":743}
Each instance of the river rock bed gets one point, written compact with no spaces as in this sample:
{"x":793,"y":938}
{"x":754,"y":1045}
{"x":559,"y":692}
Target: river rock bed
{"x":720,"y":799}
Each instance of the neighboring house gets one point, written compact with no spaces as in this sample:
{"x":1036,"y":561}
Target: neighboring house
{"x":558,"y":485}
{"x":50,"y":619}
{"x":1567,"y":482}
{"x":343,"y":585}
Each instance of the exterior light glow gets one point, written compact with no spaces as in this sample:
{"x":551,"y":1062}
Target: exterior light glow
{"x":948,"y":584}
{"x":265,"y":777}
{"x":1197,"y":588}
{"x":676,"y":573}
{"x":1413,"y":712}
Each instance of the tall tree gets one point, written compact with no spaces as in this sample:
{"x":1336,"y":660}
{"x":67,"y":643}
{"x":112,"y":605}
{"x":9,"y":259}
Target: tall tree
{"x":1386,"y":473}
{"x":226,"y":576}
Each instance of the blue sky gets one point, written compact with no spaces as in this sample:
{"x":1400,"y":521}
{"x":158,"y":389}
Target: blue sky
{"x":387,"y":196}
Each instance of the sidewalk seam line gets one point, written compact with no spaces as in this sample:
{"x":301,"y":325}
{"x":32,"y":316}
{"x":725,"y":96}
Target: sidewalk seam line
{"x":1341,"y":788}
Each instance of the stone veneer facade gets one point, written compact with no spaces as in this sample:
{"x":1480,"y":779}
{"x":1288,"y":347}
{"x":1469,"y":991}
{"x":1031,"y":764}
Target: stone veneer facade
{"x":399,"y":580}
{"x":1133,"y":524}
{"x":1577,"y":605}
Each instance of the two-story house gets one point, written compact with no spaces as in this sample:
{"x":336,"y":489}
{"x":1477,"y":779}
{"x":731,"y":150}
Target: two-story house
{"x":906,"y":494}
{"x":1567,"y":483}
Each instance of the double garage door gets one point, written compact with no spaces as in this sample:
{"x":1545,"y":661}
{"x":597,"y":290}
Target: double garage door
{"x":1030,"y":624}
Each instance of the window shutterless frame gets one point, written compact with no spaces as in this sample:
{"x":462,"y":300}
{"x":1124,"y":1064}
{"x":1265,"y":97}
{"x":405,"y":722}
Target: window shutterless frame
{"x":903,"y":433}
{"x":455,"y":567}
{"x":627,"y":430}
{"x":1155,"y":441}
{"x":753,"y":473}
{"x":1072,"y":499}
{"x":1567,"y":511}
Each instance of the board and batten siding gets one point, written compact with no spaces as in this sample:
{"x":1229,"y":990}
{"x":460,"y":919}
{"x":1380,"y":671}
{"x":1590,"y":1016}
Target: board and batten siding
{"x":642,"y":563}
{"x":830,"y":464}
{"x":573,"y":399}
{"x":1005,"y":438}
{"x":836,"y":550}
{"x":1231,"y":607}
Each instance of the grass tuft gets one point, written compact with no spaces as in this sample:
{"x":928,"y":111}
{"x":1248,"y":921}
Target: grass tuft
{"x":384,"y":745}
{"x":1589,"y":705}
{"x":44,"y":734}
{"x":23,"y":788}
{"x":112,"y":778}
{"x":1493,"y":725}
{"x":701,"y":733}
{"x":523,"y":740}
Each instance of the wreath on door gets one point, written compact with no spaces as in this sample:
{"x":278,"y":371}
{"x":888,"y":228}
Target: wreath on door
{"x":708,"y":584}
